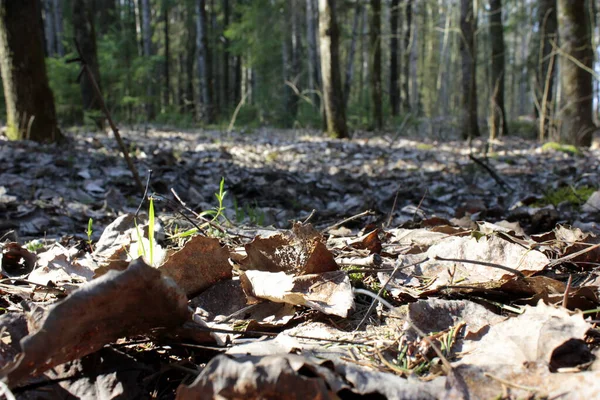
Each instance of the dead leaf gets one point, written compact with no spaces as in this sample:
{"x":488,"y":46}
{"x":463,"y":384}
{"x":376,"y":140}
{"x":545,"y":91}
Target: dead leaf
{"x":118,"y":304}
{"x":201,"y":263}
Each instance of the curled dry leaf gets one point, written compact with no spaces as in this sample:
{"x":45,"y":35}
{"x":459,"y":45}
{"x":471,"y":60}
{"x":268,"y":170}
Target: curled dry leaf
{"x":16,"y":261}
{"x":329,"y":292}
{"x":118,"y":304}
{"x":201,"y":263}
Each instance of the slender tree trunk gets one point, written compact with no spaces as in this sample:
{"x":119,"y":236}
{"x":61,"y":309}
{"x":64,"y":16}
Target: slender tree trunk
{"x":204,"y":70}
{"x":166,"y":72}
{"x":394,"y":72}
{"x":358,"y":8}
{"x":190,"y":55}
{"x":548,"y":25}
{"x":49,"y":28}
{"x":468,"y":26}
{"x":576,"y":62}
{"x":226,"y":73}
{"x":289,"y":74}
{"x":30,"y":112}
{"x":85,"y":34}
{"x":407,"y":51}
{"x":314,"y":73}
{"x":148,"y":52}
{"x":58,"y":27}
{"x":330,"y":70}
{"x":375,"y":44}
{"x":107,"y":13}
{"x":497,"y":120}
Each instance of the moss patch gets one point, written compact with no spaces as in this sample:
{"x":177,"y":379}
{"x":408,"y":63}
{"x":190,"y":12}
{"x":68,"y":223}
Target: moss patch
{"x":575,"y":196}
{"x":565,"y":148}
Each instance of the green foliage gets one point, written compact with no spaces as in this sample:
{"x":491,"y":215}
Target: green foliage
{"x":564,"y":148}
{"x":89,"y":231}
{"x":523,"y":128}
{"x":575,"y":196}
{"x":67,"y":95}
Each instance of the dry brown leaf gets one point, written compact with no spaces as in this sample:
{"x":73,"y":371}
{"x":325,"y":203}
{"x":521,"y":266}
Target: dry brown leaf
{"x":118,"y":304}
{"x":201,"y":263}
{"x":329,"y":292}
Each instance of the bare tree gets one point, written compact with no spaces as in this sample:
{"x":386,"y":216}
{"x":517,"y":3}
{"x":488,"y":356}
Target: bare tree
{"x":576,"y":67}
{"x":30,"y":111}
{"x":314,"y":72}
{"x":350,"y":60}
{"x":497,"y":120}
{"x":468,"y":26}
{"x":394,"y":56}
{"x":375,"y":43}
{"x":204,"y":70}
{"x":335,"y":113}
{"x":548,"y":26}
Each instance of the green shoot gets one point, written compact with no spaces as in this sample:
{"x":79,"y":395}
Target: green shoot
{"x":89,"y":231}
{"x":151,"y":230}
{"x":141,"y":249}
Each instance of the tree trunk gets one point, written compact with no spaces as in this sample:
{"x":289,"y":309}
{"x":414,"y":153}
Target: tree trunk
{"x":204,"y":70}
{"x":468,"y":25}
{"x":49,"y":28}
{"x":58,"y":27}
{"x":497,"y":120}
{"x":166,"y":72}
{"x":335,"y":114}
{"x":548,"y":26}
{"x":576,"y":62}
{"x":394,"y":72}
{"x":83,"y":25}
{"x":289,"y":74}
{"x":314,"y":73}
{"x":190,"y":55}
{"x":407,"y":51}
{"x":30,"y":112}
{"x":350,"y":61}
{"x":226,"y":73}
{"x":375,"y":44}
{"x":148,"y":52}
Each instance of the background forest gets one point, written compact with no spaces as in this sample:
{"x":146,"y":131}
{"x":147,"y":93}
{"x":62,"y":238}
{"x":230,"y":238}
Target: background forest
{"x":440,"y":68}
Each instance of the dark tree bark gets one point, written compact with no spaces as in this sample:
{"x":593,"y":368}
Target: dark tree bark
{"x":204,"y":68}
{"x":335,"y":113}
{"x":30,"y":111}
{"x":576,"y":123}
{"x":83,"y":25}
{"x":375,"y":44}
{"x":405,"y":100}
{"x":394,"y":71}
{"x":497,"y":120}
{"x":290,"y":102}
{"x":468,"y":26}
{"x":548,"y":26}
{"x":358,"y":8}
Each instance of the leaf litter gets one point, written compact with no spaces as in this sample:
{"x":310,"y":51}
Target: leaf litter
{"x":471,"y":284}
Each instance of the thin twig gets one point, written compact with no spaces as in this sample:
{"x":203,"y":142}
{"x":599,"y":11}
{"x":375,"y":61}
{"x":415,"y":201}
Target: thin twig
{"x":567,"y":290}
{"x":493,"y":173}
{"x":352,"y":218}
{"x":486,"y":264}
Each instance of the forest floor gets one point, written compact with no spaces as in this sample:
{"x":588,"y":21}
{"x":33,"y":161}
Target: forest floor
{"x":477,"y":254}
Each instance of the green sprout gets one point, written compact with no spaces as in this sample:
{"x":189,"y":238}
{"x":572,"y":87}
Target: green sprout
{"x":89,"y":231}
{"x":151,"y":230}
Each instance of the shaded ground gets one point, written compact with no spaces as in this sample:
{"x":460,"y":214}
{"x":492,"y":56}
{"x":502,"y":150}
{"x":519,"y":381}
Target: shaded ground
{"x":275,"y":176}
{"x":413,"y":300}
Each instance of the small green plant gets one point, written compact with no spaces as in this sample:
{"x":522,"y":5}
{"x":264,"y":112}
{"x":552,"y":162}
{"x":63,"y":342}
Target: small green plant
{"x":89,"y":231}
{"x":34,"y":246}
{"x":214,"y":213}
{"x":151,"y":229}
{"x":575,"y":196}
